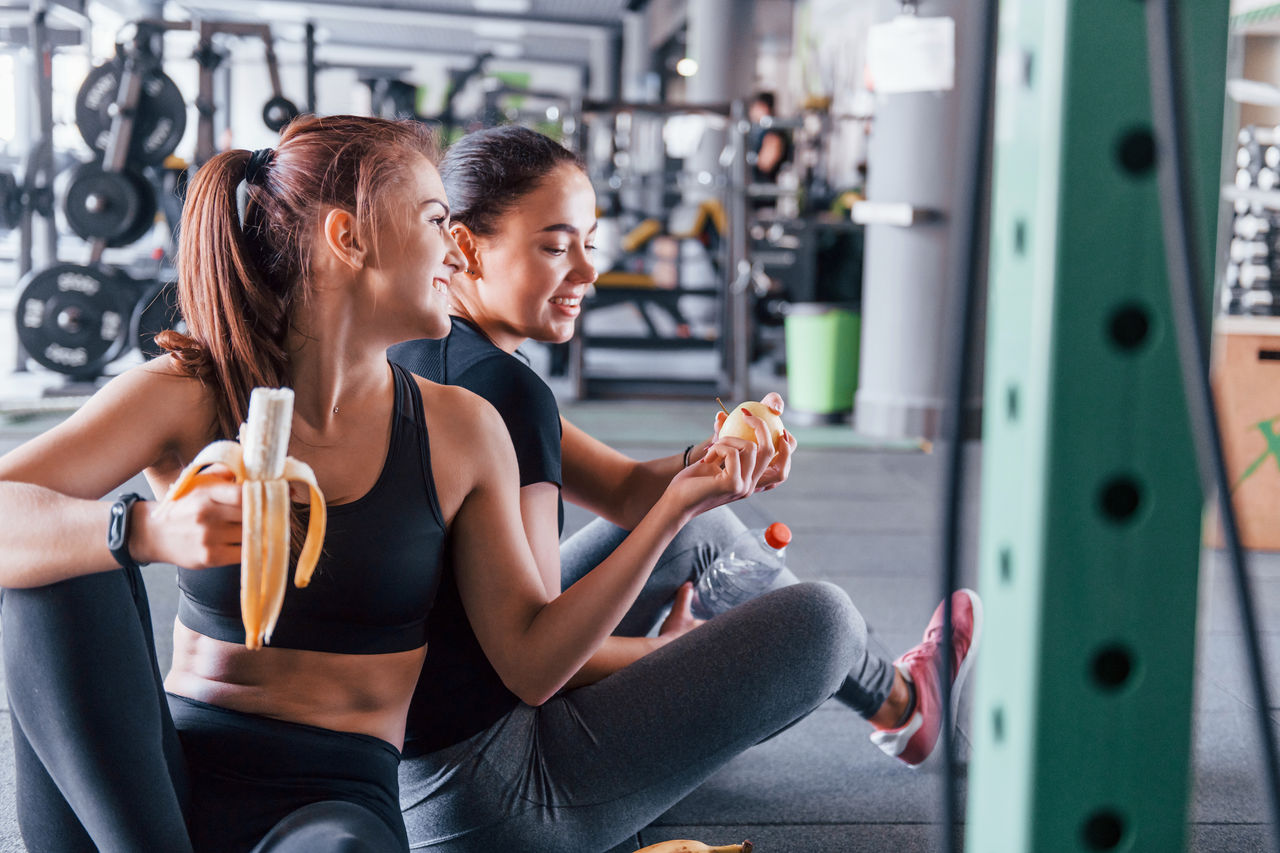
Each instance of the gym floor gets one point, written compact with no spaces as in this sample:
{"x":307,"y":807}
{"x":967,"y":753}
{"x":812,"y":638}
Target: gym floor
{"x":865,"y":516}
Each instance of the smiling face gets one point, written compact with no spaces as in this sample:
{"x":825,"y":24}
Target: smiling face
{"x":535,"y":270}
{"x":417,"y":259}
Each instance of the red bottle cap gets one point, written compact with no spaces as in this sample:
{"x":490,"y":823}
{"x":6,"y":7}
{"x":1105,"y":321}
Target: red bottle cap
{"x":778,"y":535}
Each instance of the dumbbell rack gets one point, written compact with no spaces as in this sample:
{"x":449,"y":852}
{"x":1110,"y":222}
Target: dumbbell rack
{"x":1251,"y":279}
{"x":75,"y":319}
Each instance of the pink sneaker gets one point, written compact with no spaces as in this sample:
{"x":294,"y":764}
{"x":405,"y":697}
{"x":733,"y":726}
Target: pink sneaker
{"x":915,"y":741}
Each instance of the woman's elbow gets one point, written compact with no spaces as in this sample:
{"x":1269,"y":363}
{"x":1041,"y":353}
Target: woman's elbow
{"x":533,"y":692}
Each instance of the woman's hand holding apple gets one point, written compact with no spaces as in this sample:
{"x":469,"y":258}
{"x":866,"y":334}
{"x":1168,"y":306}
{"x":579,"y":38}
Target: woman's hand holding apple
{"x":730,"y":469}
{"x":762,"y":423}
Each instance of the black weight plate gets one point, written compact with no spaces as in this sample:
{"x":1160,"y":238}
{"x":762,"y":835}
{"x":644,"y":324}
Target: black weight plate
{"x":147,"y":217}
{"x":278,"y":112}
{"x":160,"y":119}
{"x":74,"y":319}
{"x":10,"y":202}
{"x":117,"y":207}
{"x":155,"y":312}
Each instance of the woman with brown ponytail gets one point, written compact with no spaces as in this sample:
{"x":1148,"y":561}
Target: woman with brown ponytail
{"x":298,"y":267}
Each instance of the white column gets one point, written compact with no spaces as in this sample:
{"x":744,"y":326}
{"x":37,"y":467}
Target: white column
{"x":636,"y":57}
{"x":722,"y":41}
{"x":603,"y":64}
{"x":905,"y":298}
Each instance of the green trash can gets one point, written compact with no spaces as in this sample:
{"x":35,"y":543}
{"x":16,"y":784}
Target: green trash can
{"x":822,"y":342}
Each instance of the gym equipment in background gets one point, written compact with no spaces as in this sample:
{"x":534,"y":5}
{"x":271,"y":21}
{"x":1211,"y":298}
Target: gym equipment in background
{"x":74,"y":318}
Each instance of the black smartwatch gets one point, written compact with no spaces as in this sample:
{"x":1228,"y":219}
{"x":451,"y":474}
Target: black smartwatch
{"x":118,"y":530}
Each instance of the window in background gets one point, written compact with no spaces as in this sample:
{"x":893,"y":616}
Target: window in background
{"x":70,"y":67}
{"x":8,"y":106}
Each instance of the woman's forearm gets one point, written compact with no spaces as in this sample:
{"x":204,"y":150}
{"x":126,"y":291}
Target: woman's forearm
{"x":647,"y":483}
{"x":611,"y":484}
{"x":48,"y":537}
{"x":566,"y":633}
{"x":616,"y":653}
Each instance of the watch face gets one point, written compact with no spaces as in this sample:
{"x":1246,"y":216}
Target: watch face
{"x":115,"y":531}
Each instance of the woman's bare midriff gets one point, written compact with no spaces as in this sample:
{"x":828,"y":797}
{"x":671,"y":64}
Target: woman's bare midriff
{"x":368,"y":694}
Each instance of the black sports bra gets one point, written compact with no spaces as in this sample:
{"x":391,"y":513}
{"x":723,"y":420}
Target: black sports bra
{"x":378,"y":574}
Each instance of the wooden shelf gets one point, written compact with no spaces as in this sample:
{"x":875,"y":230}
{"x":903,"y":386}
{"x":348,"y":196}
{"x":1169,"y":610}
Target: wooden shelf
{"x":1235,"y":324}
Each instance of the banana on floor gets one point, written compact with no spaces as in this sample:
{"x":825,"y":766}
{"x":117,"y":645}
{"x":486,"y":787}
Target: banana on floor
{"x":687,"y":846}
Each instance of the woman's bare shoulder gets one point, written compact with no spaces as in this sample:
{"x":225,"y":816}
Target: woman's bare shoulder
{"x":159,"y":387}
{"x":455,"y":403}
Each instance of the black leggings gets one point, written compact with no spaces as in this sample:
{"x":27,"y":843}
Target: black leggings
{"x":105,"y":760}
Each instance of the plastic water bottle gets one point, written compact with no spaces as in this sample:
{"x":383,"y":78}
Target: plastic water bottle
{"x":752,"y":562}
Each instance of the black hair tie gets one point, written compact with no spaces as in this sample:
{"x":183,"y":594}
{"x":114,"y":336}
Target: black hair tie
{"x":256,"y":168}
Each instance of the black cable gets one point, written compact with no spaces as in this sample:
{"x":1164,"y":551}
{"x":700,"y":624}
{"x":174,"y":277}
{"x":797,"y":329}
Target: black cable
{"x":968,"y":231}
{"x":1182,"y":256}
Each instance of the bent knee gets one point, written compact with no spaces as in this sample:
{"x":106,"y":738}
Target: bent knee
{"x":825,"y":627}
{"x":330,"y":826}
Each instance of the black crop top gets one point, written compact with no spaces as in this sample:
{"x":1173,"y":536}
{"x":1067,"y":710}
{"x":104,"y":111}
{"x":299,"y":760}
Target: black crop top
{"x":378,"y":573}
{"x":468,"y":359}
{"x":459,"y":693}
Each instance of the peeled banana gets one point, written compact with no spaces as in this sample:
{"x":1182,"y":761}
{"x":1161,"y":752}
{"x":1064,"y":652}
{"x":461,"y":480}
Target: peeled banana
{"x":686,"y":846}
{"x":263,"y":468}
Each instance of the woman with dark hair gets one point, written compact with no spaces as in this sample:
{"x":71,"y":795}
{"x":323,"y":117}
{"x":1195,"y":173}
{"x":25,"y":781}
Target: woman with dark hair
{"x":647,"y":718}
{"x":298,"y":267}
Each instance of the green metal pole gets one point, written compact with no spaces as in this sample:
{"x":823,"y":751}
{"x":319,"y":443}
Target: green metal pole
{"x":1091,"y":503}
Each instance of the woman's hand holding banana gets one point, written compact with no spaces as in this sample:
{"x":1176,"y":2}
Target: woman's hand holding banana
{"x":200,"y":531}
{"x":248,"y":482}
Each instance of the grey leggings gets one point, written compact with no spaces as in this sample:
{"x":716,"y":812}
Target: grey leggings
{"x":594,"y":765}
{"x":689,"y":555}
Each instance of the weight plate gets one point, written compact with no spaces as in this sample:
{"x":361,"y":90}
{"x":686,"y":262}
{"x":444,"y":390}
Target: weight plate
{"x":155,"y":312}
{"x":117,"y":207}
{"x":160,"y":118}
{"x":147,"y":219}
{"x":74,"y":319}
{"x":278,"y":112}
{"x":10,"y":202}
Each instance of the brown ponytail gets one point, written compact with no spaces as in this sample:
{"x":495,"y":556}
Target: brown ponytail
{"x":238,"y":285}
